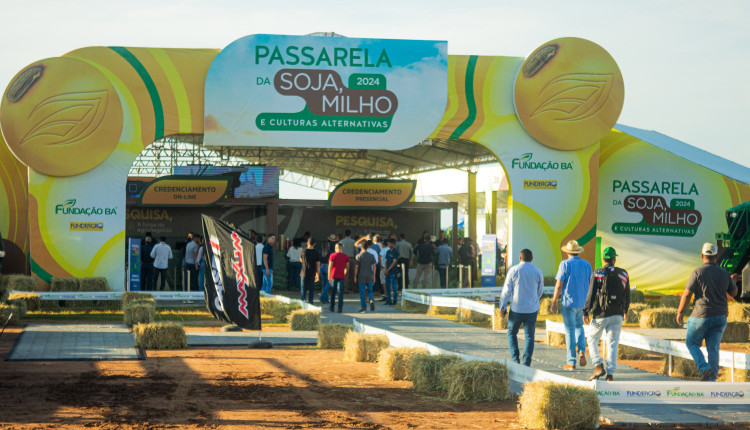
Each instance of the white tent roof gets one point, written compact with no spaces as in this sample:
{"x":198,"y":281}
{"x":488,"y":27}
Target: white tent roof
{"x":698,"y":156}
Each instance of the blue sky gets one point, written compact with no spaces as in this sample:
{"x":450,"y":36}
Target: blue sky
{"x":684,"y":62}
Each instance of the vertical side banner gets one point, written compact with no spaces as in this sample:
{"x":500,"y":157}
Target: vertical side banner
{"x":231,"y":261}
{"x":134,"y":264}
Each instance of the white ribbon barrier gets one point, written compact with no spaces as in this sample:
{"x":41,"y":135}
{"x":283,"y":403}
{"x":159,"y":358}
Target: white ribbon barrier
{"x":478,"y":291}
{"x":284,"y":299}
{"x":675,"y":392}
{"x":451,"y":302}
{"x":115,"y":295}
{"x":730,"y":359}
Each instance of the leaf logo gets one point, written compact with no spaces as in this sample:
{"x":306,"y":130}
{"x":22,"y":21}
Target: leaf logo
{"x":527,"y":156}
{"x":69,"y":203}
{"x":575,"y":96}
{"x":66,"y":118}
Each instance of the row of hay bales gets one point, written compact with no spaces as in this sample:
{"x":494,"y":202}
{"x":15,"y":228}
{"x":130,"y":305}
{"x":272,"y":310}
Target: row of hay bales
{"x":542,"y":404}
{"x":139,"y":312}
{"x":14,"y":306}
{"x":289,"y":313}
{"x":28,"y":284}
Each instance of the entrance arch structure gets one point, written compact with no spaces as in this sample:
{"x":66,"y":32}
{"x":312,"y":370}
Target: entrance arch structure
{"x":76,"y":123}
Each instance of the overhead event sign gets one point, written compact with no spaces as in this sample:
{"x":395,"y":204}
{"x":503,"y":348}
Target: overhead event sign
{"x":371,"y":194}
{"x":181,"y":191}
{"x":325,"y":92}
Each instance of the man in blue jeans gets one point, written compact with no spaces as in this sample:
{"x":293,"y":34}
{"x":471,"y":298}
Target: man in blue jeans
{"x":391,"y":272}
{"x":524,"y":285}
{"x":364,"y":273}
{"x":572,"y":285}
{"x":712,"y":287}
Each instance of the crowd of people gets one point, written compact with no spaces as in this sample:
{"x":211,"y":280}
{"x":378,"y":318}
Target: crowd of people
{"x":155,"y":259}
{"x":601,"y":298}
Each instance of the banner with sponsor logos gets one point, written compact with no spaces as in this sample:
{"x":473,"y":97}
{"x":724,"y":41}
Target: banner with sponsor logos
{"x":677,"y":391}
{"x":657,"y":209}
{"x":341,"y":92}
{"x":372,"y":194}
{"x":230,"y":278}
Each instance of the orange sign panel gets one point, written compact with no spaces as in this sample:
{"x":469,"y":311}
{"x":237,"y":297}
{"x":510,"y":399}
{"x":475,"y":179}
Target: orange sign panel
{"x":181,"y":191}
{"x":371,"y":194}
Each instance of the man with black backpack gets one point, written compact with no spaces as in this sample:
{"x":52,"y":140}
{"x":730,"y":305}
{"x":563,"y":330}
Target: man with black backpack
{"x":607,"y":302}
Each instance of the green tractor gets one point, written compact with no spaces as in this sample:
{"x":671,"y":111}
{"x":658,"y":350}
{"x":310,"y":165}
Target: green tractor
{"x":736,"y":243}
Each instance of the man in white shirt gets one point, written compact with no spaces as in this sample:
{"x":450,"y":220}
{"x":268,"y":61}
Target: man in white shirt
{"x":524,"y":285}
{"x":191,"y":272}
{"x":162,"y":253}
{"x":259,"y":261}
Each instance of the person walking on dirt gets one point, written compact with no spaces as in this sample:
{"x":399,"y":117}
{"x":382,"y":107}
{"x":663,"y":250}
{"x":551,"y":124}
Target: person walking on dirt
{"x":573,"y":278}
{"x":524,"y":286}
{"x":712,"y":287}
{"x":607,"y":302}
{"x":364,"y":272}
{"x":338,"y":265}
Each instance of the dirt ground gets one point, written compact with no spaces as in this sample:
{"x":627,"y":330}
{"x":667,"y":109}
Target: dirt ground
{"x":232,"y":388}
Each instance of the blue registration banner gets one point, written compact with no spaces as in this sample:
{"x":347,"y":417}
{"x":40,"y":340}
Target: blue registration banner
{"x":134,"y":264}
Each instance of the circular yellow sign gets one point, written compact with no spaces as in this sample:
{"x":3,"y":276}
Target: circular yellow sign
{"x":569,"y":93}
{"x":61,"y":117}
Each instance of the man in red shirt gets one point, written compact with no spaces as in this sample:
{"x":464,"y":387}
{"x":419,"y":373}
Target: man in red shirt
{"x":337,"y":270}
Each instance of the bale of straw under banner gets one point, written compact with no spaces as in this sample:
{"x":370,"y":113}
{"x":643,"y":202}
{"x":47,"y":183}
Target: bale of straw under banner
{"x":94,"y":284}
{"x":65,"y":284}
{"x":267,"y":305}
{"x":394,"y":364}
{"x":659,"y":318}
{"x":551,"y":405}
{"x":467,"y":315}
{"x":634,"y":312}
{"x":669,"y":301}
{"x":637,"y":296}
{"x":131,"y":296}
{"x":19,"y":282}
{"x":161,"y":335}
{"x":440,"y":310}
{"x":410,"y":306}
{"x":301,"y":320}
{"x":736,"y":332}
{"x":499,"y":323}
{"x":5,"y":314}
{"x":31,"y":299}
{"x":556,"y":339}
{"x":331,"y":336}
{"x":629,"y":353}
{"x":740,"y":375}
{"x":425,"y":371}
{"x":739,"y":312}
{"x":360,"y":347}
{"x":476,"y":381}
{"x":138,"y":312}
{"x":281,"y":312}
{"x":21,"y":305}
{"x":681,"y":368}
{"x":545,"y":306}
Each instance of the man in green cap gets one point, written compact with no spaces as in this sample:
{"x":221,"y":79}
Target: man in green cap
{"x":607,"y":302}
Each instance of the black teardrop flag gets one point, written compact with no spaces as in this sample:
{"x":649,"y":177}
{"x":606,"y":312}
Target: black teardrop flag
{"x":231,"y":293}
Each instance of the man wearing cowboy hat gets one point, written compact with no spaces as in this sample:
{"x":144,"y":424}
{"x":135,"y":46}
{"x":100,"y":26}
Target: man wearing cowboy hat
{"x":572,"y":285}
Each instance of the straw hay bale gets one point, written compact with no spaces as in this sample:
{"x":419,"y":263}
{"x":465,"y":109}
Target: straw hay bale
{"x":267,"y":305}
{"x":360,"y":347}
{"x":550,"y":281}
{"x":476,"y":381}
{"x":551,"y":405}
{"x":500,"y":323}
{"x":681,"y":367}
{"x":740,"y":375}
{"x":467,"y":315}
{"x":425,"y":371}
{"x":281,"y":312}
{"x":301,"y":320}
{"x":545,"y":306}
{"x":94,"y":284}
{"x":5,"y":312}
{"x":138,"y":312}
{"x":659,"y":318}
{"x":21,"y":305}
{"x":18,"y":282}
{"x":65,"y":284}
{"x":637,"y":296}
{"x":440,"y":310}
{"x":31,"y":299}
{"x":556,"y":339}
{"x":414,"y":307}
{"x":634,"y":312}
{"x":739,"y":312}
{"x":49,"y":305}
{"x":160,"y":335}
{"x":394,"y":364}
{"x":131,"y":296}
{"x":736,"y":332}
{"x":331,"y":336}
{"x":669,"y":301}
{"x":629,"y":353}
